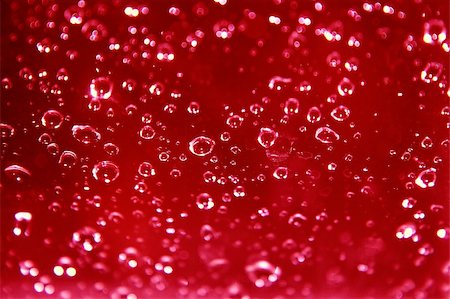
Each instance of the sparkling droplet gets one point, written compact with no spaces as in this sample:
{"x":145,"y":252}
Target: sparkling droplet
{"x":201,"y":146}
{"x":68,"y":159}
{"x":105,"y":172}
{"x":427,"y":178}
{"x":432,"y":72}
{"x":146,"y":170}
{"x":101,"y":88}
{"x":291,"y":106}
{"x":234,"y":121}
{"x":406,"y":231}
{"x":17,"y":173}
{"x":86,"y":239}
{"x":94,"y":30}
{"x":434,"y":32}
{"x":340,"y":113}
{"x":85,"y":134}
{"x":326,"y":135}
{"x":52,"y":119}
{"x":204,"y":201}
{"x":262,"y":273}
{"x":281,"y":173}
{"x":147,"y":132}
{"x":346,"y":87}
{"x":314,"y":115}
{"x":267,"y":137}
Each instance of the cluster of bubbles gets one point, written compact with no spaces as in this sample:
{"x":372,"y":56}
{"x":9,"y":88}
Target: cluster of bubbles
{"x":185,"y":139}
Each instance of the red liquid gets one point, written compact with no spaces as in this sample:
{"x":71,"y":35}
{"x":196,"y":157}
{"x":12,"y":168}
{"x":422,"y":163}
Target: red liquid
{"x":240,"y":149}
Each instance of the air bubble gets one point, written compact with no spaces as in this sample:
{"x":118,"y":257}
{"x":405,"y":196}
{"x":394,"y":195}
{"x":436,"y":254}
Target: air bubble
{"x":204,"y":201}
{"x":105,"y":172}
{"x":201,"y":146}
{"x":267,"y":137}
{"x":263,"y":273}
{"x":426,"y":179}
{"x":326,"y":135}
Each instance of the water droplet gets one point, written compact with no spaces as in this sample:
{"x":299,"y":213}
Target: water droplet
{"x":235,"y":121}
{"x":101,"y":88}
{"x":146,"y":169}
{"x":6,"y":131}
{"x":85,"y":134}
{"x":52,"y":119}
{"x":129,"y":257}
{"x":201,"y":146}
{"x":434,"y":32}
{"x":17,"y":173}
{"x":267,"y":137}
{"x":426,"y":142}
{"x":314,"y":115}
{"x":165,"y":52}
{"x":281,"y":173}
{"x":105,"y":172}
{"x":297,"y":219}
{"x":262,"y":273}
{"x":68,"y":159}
{"x":94,"y":30}
{"x":147,"y":132}
{"x":74,"y":15}
{"x":28,"y":267}
{"x":204,"y":201}
{"x":346,"y":87}
{"x":326,"y":135}
{"x":278,"y":83}
{"x":406,"y":231}
{"x":427,"y":178}
{"x":432,"y":72}
{"x":223,"y":29}
{"x":22,"y":224}
{"x":65,"y":266}
{"x":291,"y":106}
{"x":340,"y":113}
{"x":86,"y":239}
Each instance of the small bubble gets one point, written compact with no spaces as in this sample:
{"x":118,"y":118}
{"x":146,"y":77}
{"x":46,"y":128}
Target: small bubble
{"x":263,"y":273}
{"x":434,"y":32}
{"x":17,"y":173}
{"x":314,"y":115}
{"x":426,"y":179}
{"x":204,"y":201}
{"x":291,"y":106}
{"x":86,"y":239}
{"x":406,"y":231}
{"x":340,"y":113}
{"x":432,"y":72}
{"x":147,"y":132}
{"x":74,"y":15}
{"x":94,"y":30}
{"x":267,"y":137}
{"x":346,"y":87}
{"x":85,"y":134}
{"x":105,"y":172}
{"x":326,"y":135}
{"x":52,"y":119}
{"x":201,"y":146}
{"x":101,"y":88}
{"x":68,"y":159}
{"x":235,"y":121}
{"x":281,"y":173}
{"x":165,"y":52}
{"x":297,"y":219}
{"x":22,"y":224}
{"x":223,"y":29}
